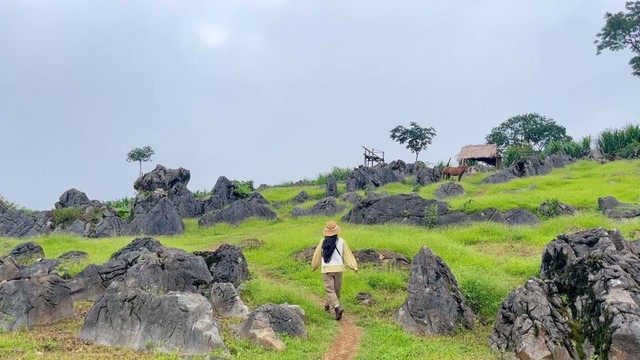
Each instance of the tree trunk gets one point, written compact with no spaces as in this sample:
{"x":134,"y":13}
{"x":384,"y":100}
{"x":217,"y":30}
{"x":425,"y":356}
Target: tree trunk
{"x":139,"y":176}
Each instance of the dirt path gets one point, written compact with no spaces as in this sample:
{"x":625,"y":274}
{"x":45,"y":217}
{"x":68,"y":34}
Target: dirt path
{"x":347,"y":341}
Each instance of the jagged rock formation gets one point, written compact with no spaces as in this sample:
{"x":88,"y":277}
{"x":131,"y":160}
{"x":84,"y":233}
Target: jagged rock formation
{"x":129,"y":317}
{"x":449,"y":189}
{"x":586,"y":303}
{"x":613,"y":208}
{"x":238,"y":211}
{"x":327,"y":207}
{"x":412,"y":209}
{"x":227,"y":264}
{"x":530,"y":166}
{"x":331,"y":187}
{"x":226,"y":302}
{"x":301,"y":198}
{"x":263,"y":324}
{"x":155,"y":214}
{"x":434,"y":304}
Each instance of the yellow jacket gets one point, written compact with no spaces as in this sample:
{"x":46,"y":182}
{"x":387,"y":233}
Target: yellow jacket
{"x":337,"y":262}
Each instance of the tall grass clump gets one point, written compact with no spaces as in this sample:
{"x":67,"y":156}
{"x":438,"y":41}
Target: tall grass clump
{"x":340,"y":174}
{"x":122,"y":206}
{"x":620,"y":143}
{"x":518,"y":152}
{"x":575,"y":148}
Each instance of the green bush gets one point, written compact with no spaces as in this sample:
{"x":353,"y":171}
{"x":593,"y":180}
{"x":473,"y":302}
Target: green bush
{"x":575,"y":149}
{"x":66,"y":216}
{"x":340,"y":174}
{"x":243,"y":188}
{"x":620,"y":143}
{"x":552,"y":208}
{"x":518,"y":152}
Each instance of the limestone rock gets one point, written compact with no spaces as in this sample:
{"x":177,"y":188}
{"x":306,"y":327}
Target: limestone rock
{"x":226,"y":302}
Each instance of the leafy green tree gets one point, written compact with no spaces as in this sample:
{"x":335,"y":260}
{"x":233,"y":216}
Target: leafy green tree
{"x":622,"y":30}
{"x":416,"y":137}
{"x":527,"y":129}
{"x":140,"y":155}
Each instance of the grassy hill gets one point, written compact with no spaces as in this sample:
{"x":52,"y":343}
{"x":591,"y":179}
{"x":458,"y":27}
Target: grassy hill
{"x":489,"y":260}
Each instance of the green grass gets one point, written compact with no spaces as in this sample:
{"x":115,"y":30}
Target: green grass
{"x":489,"y":260}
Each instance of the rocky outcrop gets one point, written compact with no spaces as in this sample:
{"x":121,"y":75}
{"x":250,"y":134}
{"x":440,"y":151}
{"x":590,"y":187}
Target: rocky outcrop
{"x":27,"y":252}
{"x":20,"y":224}
{"x":34,"y":301}
{"x":227,"y":264}
{"x":414,"y":210}
{"x":613,"y":208}
{"x":72,"y":198}
{"x":129,"y":317}
{"x":380,"y":257}
{"x":9,"y":269}
{"x":435,"y":304}
{"x":585,"y":305}
{"x":155,"y":214}
{"x":556,"y":208}
{"x":449,"y":189}
{"x":162,"y":178}
{"x":371,"y":177}
{"x":530,"y":166}
{"x":265,"y":322}
{"x":331,"y":187}
{"x":169,"y":269}
{"x":302,"y":197}
{"x":237,"y":212}
{"x":426,"y":176}
{"x":226,"y":302}
{"x":146,"y":264}
{"x":351,"y":197}
{"x":224,"y":193}
{"x":326,"y":207}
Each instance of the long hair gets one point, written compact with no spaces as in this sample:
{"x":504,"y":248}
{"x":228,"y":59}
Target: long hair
{"x":328,"y":247}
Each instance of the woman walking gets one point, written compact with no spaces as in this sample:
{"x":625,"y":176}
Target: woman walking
{"x":333,"y":254}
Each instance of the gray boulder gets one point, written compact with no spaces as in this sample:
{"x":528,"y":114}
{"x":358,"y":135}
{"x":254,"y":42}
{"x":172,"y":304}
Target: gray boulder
{"x":155,"y":214}
{"x":402,"y":208}
{"x":132,"y":318}
{"x":74,"y":256}
{"x":434,"y":304}
{"x":227,"y":264}
{"x":449,"y":189}
{"x":367,"y":177}
{"x":499,"y":178}
{"x":559,"y":160}
{"x":169,"y":269}
{"x":531,"y":324}
{"x":331,"y":188}
{"x":43,"y":267}
{"x":186,"y":203}
{"x":72,"y":198}
{"x":326,"y":207}
{"x":379,"y":257}
{"x":530,"y":166}
{"x":591,"y":279}
{"x":351,"y":197}
{"x":238,"y":211}
{"x":612,"y":208}
{"x":301,"y":198}
{"x":265,"y":322}
{"x":35,"y":301}
{"x":226,"y":302}
{"x":520,"y":216}
{"x":426,"y":176}
{"x":137,"y":247}
{"x":9,"y":269}
{"x":27,"y":252}
{"x":223,"y":194}
{"x":556,"y":208}
{"x":92,"y":282}
{"x":20,"y":224}
{"x":163,"y":178}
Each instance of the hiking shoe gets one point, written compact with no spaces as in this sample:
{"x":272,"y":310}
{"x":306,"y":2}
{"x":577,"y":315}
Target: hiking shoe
{"x":339,"y":313}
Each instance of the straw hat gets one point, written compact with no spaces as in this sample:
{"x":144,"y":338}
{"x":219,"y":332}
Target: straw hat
{"x":331,"y":229}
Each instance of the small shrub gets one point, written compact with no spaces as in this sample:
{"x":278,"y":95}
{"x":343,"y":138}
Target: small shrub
{"x":243,"y":188}
{"x":619,"y":143}
{"x":575,"y":149}
{"x":515,"y":153}
{"x":340,"y":174}
{"x":430,"y":215}
{"x":552,"y":208}
{"x":66,"y":216}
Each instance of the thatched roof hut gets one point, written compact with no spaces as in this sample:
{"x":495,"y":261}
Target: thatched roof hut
{"x":485,"y":153}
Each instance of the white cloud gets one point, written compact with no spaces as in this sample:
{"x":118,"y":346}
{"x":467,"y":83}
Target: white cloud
{"x":212,"y":36}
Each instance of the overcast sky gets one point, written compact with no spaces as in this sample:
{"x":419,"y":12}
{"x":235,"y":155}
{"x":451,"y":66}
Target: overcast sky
{"x":277,"y":90}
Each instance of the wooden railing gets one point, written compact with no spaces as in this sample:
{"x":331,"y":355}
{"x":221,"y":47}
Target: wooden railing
{"x":373,"y":157}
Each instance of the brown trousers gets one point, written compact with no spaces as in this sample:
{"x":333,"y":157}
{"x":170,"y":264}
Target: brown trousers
{"x":333,"y":285}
